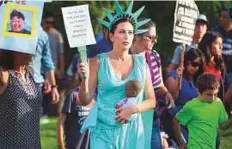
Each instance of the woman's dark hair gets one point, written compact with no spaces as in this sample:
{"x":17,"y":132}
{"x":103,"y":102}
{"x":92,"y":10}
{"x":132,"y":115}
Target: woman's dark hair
{"x":6,"y":61}
{"x":113,"y":28}
{"x":48,"y":14}
{"x":190,"y":56}
{"x":205,"y":47}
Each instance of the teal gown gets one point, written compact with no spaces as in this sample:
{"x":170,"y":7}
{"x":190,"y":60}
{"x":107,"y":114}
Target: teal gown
{"x":106,"y":133}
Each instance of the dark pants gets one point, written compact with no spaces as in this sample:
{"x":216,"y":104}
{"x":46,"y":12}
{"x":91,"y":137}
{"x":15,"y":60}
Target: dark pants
{"x":156,"y":142}
{"x":45,"y":103}
{"x":155,"y":136}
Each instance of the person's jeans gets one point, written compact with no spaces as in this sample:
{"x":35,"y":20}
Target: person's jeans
{"x":155,"y":136}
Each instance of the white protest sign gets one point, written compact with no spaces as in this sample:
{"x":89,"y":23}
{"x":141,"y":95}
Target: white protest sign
{"x":78,"y":26}
{"x":20,"y":25}
{"x":185,"y":16}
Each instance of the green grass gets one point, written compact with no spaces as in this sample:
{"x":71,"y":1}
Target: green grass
{"x":48,"y":134}
{"x":226,"y":137}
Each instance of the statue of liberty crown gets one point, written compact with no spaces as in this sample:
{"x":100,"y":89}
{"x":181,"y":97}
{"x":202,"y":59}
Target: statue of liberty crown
{"x":133,"y":17}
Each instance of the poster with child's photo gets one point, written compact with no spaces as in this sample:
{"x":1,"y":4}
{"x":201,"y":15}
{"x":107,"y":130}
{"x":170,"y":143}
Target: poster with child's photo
{"x":20,"y":22}
{"x":20,"y":25}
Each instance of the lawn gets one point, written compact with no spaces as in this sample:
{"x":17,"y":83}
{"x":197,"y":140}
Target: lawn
{"x":48,"y":134}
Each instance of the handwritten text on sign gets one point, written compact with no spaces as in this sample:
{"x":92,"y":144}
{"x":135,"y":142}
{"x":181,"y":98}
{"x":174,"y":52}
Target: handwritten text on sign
{"x":78,"y":26}
{"x":185,"y":17}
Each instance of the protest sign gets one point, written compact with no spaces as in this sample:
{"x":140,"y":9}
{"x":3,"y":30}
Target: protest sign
{"x":78,"y":26}
{"x":185,"y":16}
{"x":79,"y":30}
{"x":19,"y":25}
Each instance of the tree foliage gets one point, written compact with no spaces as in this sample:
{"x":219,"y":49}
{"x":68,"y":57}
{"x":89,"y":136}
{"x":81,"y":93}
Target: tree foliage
{"x":161,"y":12}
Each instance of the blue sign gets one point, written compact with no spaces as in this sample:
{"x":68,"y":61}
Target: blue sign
{"x":21,"y":24}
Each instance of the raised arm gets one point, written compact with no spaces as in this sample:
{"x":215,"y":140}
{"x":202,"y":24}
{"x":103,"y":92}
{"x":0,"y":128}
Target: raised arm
{"x":4,"y":76}
{"x":172,"y":83}
{"x":1,"y":76}
{"x":88,"y":85}
{"x":175,"y":60}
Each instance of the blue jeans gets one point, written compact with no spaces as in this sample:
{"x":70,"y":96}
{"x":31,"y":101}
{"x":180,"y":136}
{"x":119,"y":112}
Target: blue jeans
{"x":155,"y":136}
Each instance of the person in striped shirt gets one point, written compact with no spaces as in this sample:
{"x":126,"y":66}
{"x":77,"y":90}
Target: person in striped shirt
{"x":142,"y":45}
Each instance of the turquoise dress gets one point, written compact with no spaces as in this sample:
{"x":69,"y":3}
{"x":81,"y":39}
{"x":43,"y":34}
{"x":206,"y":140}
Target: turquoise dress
{"x":106,"y":133}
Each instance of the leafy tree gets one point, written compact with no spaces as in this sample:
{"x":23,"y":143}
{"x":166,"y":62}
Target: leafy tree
{"x":161,"y":12}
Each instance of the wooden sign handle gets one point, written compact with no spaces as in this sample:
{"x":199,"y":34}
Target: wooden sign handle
{"x":181,"y":64}
{"x":82,"y":58}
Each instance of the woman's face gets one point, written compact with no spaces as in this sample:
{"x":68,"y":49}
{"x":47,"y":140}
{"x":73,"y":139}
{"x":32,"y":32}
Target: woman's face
{"x":216,"y":47}
{"x":22,"y":58}
{"x":149,"y":39}
{"x":123,"y":36}
{"x":193,"y":66}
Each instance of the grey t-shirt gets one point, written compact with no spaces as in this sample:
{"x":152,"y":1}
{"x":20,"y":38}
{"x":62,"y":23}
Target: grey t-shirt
{"x":56,"y":44}
{"x":76,"y":115}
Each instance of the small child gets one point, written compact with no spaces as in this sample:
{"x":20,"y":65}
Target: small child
{"x":133,"y":87}
{"x":70,"y":122}
{"x":202,"y":115}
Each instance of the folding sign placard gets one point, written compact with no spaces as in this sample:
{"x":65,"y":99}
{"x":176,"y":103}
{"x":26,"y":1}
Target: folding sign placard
{"x":185,"y":16}
{"x":78,"y":26}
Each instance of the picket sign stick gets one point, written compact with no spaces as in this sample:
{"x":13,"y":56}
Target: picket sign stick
{"x":82,"y":57}
{"x":182,"y":64}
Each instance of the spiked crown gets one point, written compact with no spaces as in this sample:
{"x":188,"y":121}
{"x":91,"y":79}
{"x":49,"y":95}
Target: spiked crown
{"x":120,"y":14}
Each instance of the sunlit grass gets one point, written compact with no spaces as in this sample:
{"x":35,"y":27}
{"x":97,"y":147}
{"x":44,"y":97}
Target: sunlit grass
{"x":48,"y":134}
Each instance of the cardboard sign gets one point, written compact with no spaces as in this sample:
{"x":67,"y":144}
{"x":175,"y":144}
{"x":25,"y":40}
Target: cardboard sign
{"x":185,"y":16}
{"x":78,"y":26}
{"x":19,"y":25}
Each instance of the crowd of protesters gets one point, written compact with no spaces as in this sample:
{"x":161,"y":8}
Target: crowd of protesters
{"x":188,"y":107}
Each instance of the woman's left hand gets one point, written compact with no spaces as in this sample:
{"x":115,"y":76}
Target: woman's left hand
{"x":123,"y":114}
